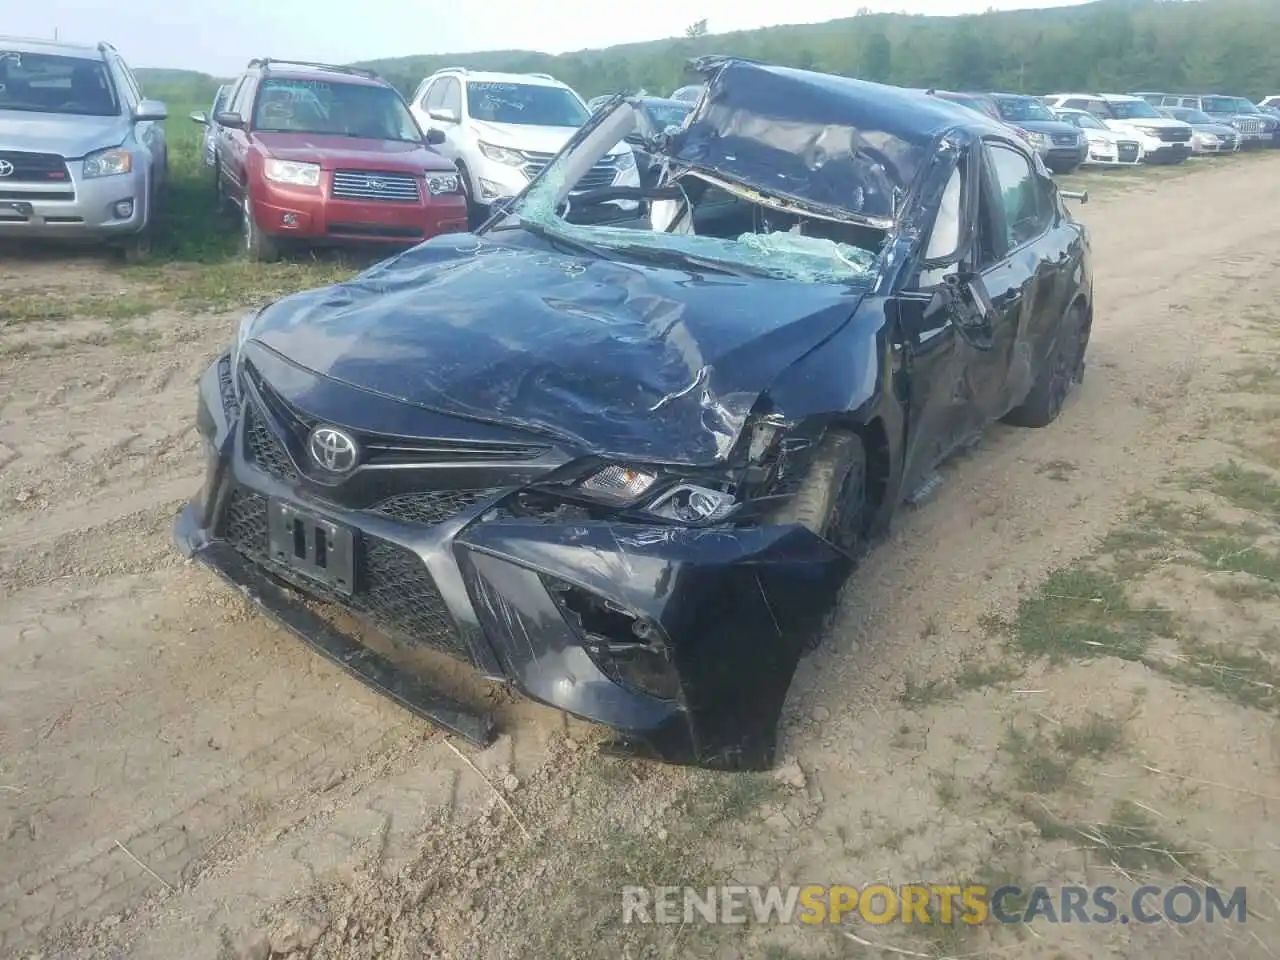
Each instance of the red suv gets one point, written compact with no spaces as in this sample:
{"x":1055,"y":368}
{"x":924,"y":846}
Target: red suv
{"x":330,"y":155}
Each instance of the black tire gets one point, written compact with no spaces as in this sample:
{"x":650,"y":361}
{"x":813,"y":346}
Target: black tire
{"x":1063,"y":169}
{"x":221,"y":203}
{"x":137,"y":249}
{"x":1063,"y":368}
{"x":832,"y":498}
{"x":258,"y":246}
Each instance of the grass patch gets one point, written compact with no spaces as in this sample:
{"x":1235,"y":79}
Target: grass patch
{"x":1129,"y":840}
{"x":1248,"y":489}
{"x":1084,"y":613}
{"x":1096,"y":737}
{"x":1256,"y":379}
{"x":1060,"y":470}
{"x":1245,"y":677}
{"x":971,"y":676}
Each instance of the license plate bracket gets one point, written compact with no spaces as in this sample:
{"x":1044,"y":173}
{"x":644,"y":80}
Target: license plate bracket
{"x":312,"y":546}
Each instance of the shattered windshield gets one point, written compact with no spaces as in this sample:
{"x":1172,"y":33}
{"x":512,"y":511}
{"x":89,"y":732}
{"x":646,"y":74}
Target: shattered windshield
{"x":690,"y":221}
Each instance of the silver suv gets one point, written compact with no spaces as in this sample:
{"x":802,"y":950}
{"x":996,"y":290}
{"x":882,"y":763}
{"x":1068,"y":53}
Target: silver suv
{"x":82,"y":154}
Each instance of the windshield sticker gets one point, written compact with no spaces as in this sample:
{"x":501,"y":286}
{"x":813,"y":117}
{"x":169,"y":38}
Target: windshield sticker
{"x":298,"y":85}
{"x":494,"y":104}
{"x":494,"y":86}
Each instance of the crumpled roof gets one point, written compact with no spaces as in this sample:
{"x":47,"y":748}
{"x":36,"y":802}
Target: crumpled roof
{"x":849,"y":147}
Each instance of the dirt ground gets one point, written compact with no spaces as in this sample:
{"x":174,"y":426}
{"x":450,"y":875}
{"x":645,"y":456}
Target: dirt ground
{"x":1062,"y":669}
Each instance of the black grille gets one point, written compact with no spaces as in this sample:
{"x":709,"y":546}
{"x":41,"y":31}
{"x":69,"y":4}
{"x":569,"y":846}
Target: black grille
{"x":1126,"y":151}
{"x":431,"y":506}
{"x":1065,"y":139}
{"x":265,"y":449}
{"x":226,"y":387}
{"x":394,"y":590}
{"x":373,"y":185}
{"x":1175,"y":136}
{"x":67,"y":194}
{"x":35,"y":167}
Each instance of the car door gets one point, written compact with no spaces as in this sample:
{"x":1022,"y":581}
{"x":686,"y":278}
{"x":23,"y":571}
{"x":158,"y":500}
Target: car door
{"x":212,"y":129}
{"x":1027,"y":283}
{"x":233,"y":149}
{"x":148,"y":133}
{"x":942,"y":376}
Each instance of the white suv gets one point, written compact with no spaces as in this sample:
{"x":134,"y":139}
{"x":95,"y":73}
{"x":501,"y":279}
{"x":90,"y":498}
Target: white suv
{"x":1163,"y":139}
{"x":502,"y":128}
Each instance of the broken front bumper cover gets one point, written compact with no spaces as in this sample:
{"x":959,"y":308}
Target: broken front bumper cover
{"x":734,"y":608}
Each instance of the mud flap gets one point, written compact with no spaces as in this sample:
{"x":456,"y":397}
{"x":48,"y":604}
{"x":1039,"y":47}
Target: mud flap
{"x":367,"y":666}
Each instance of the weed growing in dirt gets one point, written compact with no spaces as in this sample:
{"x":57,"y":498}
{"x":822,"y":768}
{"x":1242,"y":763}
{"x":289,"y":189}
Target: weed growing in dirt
{"x":1060,"y":470}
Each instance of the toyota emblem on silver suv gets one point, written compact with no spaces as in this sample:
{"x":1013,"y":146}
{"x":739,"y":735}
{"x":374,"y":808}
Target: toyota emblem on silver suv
{"x":333,"y":450}
{"x":6,"y":168}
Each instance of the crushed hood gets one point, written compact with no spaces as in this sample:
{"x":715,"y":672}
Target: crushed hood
{"x":617,"y":359}
{"x":848,"y":148}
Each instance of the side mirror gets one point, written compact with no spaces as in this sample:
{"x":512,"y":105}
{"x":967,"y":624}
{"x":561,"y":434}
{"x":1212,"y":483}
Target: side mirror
{"x":150,"y":110}
{"x":232,"y":120}
{"x":433,"y":137}
{"x":1082,"y":196}
{"x":443,"y":114}
{"x":963,"y":297}
{"x":199,"y":117}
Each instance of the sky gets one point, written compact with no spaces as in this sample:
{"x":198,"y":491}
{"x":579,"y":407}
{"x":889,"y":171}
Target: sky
{"x":219,"y":36}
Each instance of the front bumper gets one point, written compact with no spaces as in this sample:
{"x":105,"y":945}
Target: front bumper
{"x":307,"y":213}
{"x":727,"y":610}
{"x":75,"y":209}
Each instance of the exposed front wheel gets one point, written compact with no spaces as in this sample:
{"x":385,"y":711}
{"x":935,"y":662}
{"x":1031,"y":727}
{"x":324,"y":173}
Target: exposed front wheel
{"x":258,"y":246}
{"x":832,"y":498}
{"x":1062,"y":368}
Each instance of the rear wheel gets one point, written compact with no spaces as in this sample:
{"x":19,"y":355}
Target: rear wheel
{"x":258,"y":246}
{"x":1062,"y":368}
{"x":832,"y":498}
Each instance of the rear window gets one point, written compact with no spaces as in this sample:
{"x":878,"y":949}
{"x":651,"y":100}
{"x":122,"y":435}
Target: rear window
{"x":45,"y":83}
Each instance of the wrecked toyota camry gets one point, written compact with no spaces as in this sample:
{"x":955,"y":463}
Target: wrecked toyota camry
{"x":620,"y":447}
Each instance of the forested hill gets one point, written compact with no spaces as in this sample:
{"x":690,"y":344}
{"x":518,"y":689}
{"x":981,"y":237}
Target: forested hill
{"x":1228,"y":46}
{"x":1113,"y":45}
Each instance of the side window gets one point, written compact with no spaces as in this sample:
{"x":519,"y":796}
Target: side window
{"x":452,"y":96}
{"x":243,"y":99}
{"x":1027,"y":213}
{"x":1075,"y":103}
{"x":127,"y":83}
{"x":945,"y":236}
{"x":432,"y":95}
{"x":220,"y":100}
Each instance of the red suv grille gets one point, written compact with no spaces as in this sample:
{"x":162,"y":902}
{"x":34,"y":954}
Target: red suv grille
{"x":373,"y":185}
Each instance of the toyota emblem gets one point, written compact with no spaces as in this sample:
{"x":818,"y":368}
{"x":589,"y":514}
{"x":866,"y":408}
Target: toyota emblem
{"x":333,"y":450}
{"x":6,"y":168}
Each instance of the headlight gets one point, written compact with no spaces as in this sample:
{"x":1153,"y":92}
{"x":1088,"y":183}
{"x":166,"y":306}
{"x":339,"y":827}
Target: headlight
{"x":1036,"y":139}
{"x":108,"y":163}
{"x":684,"y":502}
{"x":500,"y":154}
{"x":290,"y":171}
{"x":441,"y":183}
{"x":624,"y":161}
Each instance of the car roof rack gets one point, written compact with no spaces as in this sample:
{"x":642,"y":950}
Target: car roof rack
{"x":266,"y":63}
{"x":450,"y":70}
